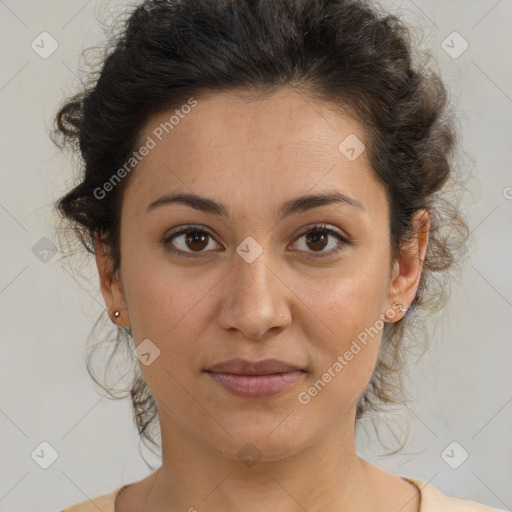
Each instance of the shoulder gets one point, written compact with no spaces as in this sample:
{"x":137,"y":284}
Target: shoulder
{"x":434,"y":500}
{"x":105,"y":503}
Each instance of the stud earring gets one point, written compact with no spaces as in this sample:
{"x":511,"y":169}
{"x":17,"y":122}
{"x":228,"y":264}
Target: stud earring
{"x":117,"y":314}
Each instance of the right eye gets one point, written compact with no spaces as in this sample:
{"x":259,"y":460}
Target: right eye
{"x":194,"y":238}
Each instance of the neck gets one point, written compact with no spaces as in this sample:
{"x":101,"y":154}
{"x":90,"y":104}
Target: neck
{"x":325,"y":475}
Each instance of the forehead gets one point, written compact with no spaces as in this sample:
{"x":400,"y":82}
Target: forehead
{"x":251,"y":148}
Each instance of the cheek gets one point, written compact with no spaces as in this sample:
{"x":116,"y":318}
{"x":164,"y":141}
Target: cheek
{"x":158,"y":293}
{"x":352,"y":297}
{"x":351,"y":317}
{"x":346,"y":357}
{"x":163,"y":304}
{"x":169,"y":307}
{"x":347,"y":331}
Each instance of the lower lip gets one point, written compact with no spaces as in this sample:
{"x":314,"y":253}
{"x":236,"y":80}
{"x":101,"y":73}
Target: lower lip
{"x":257,"y":386}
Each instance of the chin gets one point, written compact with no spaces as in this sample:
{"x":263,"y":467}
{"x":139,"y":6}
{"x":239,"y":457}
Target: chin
{"x":265,"y":441}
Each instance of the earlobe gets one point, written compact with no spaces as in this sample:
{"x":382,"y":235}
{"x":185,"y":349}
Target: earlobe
{"x":409,"y":267}
{"x":110,"y":286}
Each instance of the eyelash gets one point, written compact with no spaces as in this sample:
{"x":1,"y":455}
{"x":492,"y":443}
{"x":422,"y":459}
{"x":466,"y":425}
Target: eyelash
{"x":322,"y":228}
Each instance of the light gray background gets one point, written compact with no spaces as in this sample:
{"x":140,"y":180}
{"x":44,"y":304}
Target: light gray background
{"x":463,"y":385}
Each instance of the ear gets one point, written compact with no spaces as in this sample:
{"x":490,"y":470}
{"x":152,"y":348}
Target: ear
{"x":408,"y":268}
{"x":111,"y":288}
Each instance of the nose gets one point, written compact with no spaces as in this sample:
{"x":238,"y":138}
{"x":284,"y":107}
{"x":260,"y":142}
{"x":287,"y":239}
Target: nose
{"x":256,"y":299}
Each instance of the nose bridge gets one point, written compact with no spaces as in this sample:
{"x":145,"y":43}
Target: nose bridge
{"x":257,"y":297}
{"x":253,"y":276}
{"x":254,"y":251}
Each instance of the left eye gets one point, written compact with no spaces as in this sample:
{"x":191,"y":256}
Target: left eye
{"x":316,"y":238}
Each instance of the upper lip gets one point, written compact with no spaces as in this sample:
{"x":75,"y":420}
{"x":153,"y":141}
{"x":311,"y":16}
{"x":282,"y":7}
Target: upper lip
{"x":244,"y":367}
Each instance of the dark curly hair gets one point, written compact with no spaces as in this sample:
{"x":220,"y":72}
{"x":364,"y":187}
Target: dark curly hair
{"x":350,"y":53}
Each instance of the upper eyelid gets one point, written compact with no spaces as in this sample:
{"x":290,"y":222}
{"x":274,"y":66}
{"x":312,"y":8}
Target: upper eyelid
{"x":322,"y":226}
{"x":199,"y":227}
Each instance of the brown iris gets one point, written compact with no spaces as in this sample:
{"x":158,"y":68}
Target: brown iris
{"x":317,"y":238}
{"x":197,"y":237}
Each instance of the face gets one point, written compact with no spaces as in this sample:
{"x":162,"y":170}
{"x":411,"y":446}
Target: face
{"x":300,"y":284}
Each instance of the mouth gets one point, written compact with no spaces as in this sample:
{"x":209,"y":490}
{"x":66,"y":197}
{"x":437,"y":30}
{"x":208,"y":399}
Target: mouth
{"x":256,"y":380}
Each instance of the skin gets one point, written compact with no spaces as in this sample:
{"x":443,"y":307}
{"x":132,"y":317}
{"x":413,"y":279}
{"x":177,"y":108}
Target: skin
{"x":252,"y":156}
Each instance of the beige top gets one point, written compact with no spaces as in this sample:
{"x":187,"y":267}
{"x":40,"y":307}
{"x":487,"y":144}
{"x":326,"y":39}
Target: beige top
{"x":431,"y":500}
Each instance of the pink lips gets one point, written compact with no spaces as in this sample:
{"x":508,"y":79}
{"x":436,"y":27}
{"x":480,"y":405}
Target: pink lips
{"x":260,"y":379}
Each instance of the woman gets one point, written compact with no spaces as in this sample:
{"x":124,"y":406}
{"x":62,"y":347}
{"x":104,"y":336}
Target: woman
{"x":262,"y":192}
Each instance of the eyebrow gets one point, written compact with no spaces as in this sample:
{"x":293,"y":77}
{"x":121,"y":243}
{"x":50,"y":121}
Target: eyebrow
{"x":290,"y":207}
